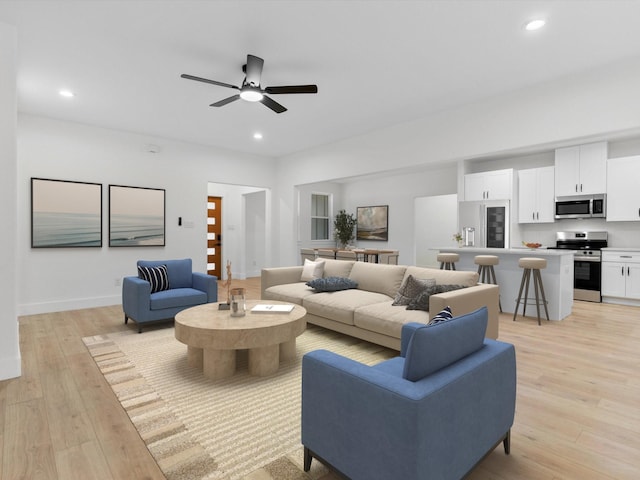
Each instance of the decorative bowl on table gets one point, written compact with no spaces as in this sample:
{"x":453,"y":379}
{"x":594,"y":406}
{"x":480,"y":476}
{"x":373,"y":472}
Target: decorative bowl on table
{"x":532,"y":245}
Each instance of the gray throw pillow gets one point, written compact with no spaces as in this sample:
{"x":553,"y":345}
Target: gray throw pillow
{"x":411,"y":288}
{"x":421,"y":302}
{"x":331,"y":284}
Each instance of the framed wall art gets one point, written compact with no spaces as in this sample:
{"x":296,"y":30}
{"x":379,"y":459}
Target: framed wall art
{"x":373,"y":223}
{"x":65,"y":213}
{"x":136,"y":216}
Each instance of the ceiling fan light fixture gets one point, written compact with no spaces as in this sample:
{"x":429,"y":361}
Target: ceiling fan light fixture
{"x":251,"y":95}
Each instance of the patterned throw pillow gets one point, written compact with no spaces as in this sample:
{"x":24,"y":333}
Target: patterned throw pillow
{"x":156,"y":276}
{"x":444,"y":315}
{"x":421,"y":302}
{"x":331,"y":284}
{"x":411,"y":288}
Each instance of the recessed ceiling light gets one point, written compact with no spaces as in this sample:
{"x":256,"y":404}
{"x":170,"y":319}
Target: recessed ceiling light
{"x":66,"y":93}
{"x":534,"y":24}
{"x":257,"y":136}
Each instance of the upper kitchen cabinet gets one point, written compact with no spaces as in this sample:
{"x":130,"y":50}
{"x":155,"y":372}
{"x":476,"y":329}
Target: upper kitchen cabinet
{"x":623,"y":194}
{"x":494,"y":185}
{"x":581,"y":169}
{"x":536,"y":201}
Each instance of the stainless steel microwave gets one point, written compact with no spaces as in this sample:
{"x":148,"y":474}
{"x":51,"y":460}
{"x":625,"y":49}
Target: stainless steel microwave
{"x":581,"y":206}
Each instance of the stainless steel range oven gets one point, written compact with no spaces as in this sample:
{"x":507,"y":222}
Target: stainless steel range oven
{"x":587,"y":266}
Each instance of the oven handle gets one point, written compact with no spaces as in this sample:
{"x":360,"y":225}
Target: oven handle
{"x":584,"y":258}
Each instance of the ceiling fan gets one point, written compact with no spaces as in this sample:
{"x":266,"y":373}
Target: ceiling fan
{"x":251,"y":90}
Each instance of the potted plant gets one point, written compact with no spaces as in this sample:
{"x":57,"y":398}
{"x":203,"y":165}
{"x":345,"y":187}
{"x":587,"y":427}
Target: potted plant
{"x":343,"y":227}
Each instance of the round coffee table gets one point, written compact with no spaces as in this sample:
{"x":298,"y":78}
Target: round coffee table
{"x":213,"y":337}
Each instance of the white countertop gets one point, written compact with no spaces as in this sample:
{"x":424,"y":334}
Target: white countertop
{"x":622,"y":249}
{"x":510,"y":251}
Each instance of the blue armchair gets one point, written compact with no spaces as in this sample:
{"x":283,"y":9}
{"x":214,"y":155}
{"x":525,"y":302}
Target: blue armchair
{"x":184,"y":289}
{"x":432,"y":413}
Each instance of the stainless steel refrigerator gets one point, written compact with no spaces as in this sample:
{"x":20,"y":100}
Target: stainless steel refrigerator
{"x":489,"y":218}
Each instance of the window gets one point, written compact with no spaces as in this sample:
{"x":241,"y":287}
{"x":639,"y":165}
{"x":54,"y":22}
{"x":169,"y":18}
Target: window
{"x":319,"y":216}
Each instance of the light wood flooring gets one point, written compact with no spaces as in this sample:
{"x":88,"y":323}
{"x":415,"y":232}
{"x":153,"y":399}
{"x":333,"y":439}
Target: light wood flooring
{"x":577,"y":414}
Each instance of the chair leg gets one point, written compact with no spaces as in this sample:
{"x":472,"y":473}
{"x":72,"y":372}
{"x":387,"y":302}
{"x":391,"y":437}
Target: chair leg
{"x":307,"y":459}
{"x":507,"y":443}
{"x":126,"y":319}
{"x":544,"y":297}
{"x":494,"y":280}
{"x":515,"y":313}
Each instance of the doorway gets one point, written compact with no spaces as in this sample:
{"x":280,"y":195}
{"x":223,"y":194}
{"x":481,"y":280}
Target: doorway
{"x":214,"y":236}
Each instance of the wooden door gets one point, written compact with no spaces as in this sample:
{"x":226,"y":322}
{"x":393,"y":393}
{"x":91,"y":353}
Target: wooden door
{"x":214,"y":237}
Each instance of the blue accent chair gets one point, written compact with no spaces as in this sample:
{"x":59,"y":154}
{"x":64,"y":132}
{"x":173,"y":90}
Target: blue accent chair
{"x":432,"y":413}
{"x":186,"y":289}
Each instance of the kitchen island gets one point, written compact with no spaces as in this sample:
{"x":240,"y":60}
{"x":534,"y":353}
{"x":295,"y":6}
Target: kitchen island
{"x":557,"y":277}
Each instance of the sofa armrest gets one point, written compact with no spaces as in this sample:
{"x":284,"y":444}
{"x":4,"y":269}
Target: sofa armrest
{"x":270,"y":277}
{"x":405,"y":336}
{"x":467,"y":300}
{"x":136,"y":297}
{"x":206,"y":283}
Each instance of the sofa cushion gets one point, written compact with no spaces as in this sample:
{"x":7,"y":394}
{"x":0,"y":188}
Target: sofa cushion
{"x":444,"y":277}
{"x":340,"y":306}
{"x":385,"y":319}
{"x":380,"y":278}
{"x":332,"y":284}
{"x":312,"y":270}
{"x":434,"y":347}
{"x":158,"y":277}
{"x":421,"y":302}
{"x":411,"y":288}
{"x":337,"y":268}
{"x":177,"y":297}
{"x":289,"y":292}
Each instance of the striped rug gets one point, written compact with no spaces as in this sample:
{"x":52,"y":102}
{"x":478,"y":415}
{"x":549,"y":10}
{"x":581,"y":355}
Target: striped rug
{"x":243,"y":427}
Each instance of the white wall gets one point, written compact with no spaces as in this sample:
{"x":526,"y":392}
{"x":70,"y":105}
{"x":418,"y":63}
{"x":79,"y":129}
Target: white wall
{"x":594,"y":105}
{"x":9,"y":345}
{"x":63,"y":279}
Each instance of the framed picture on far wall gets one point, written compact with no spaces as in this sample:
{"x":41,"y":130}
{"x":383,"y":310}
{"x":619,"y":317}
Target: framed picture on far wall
{"x":65,"y":213}
{"x":373,"y":223}
{"x":136,"y":216}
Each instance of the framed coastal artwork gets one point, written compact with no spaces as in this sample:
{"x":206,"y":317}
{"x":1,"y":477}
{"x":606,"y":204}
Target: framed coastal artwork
{"x":373,"y":223}
{"x":65,"y":214}
{"x":136,"y":216}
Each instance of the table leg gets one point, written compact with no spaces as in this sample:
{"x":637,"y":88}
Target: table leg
{"x":218,"y":364}
{"x":194,"y":357}
{"x":288,"y":350}
{"x":264,"y":360}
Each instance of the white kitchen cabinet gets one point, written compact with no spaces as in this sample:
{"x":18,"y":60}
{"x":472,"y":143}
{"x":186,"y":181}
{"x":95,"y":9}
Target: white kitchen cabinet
{"x":621,"y":275}
{"x":536,"y":201}
{"x":623,"y":194}
{"x":494,"y":185}
{"x":581,"y":169}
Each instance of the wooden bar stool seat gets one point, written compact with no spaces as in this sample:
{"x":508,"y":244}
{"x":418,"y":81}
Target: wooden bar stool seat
{"x":486,"y":272}
{"x":448,"y":260}
{"x":532,"y":267}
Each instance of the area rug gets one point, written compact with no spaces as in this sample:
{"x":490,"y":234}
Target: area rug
{"x":195,"y":428}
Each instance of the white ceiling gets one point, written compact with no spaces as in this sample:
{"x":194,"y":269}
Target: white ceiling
{"x":376,"y":63}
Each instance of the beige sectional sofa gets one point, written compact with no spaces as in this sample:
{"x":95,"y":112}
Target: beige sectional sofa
{"x":367,"y":311}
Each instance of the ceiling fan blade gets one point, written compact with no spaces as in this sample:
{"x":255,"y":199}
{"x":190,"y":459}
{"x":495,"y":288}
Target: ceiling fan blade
{"x":227,"y":100}
{"x":292,"y":89}
{"x":205,"y":80}
{"x":254,"y":70}
{"x":272,"y":104}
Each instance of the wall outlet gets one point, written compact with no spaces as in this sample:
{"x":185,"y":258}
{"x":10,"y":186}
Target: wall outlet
{"x":117,"y":282}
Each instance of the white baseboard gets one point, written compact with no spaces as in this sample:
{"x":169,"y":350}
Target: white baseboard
{"x":71,"y":304}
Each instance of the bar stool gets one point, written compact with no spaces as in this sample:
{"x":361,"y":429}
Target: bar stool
{"x":532,"y":266}
{"x":486,"y":272}
{"x":448,"y":260}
